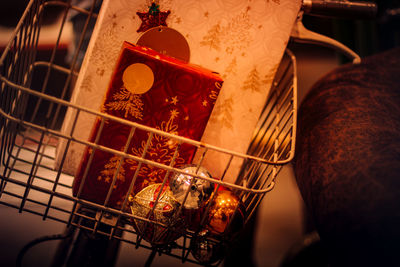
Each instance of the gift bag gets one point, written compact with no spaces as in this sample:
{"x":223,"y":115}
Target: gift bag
{"x":242,"y":40}
{"x":156,"y":91}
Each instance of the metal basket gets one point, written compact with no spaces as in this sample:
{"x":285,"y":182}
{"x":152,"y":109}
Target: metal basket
{"x":29,"y":135}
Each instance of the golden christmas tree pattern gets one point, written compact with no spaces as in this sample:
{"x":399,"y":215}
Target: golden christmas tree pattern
{"x":161,"y":149}
{"x":138,"y":78}
{"x":128,"y":102}
{"x":113,"y":166}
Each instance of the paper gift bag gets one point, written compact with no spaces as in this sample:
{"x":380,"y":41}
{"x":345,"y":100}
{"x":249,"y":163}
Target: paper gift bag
{"x":242,"y":40}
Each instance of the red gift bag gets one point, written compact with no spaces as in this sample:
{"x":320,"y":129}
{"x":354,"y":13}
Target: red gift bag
{"x":157,"y":91}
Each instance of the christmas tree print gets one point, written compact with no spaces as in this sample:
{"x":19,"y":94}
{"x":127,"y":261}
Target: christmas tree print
{"x":126,"y":101}
{"x":110,"y":169}
{"x":269,"y":77}
{"x":161,"y":149}
{"x":231,"y":68}
{"x":87,"y":83}
{"x":253,"y":82}
{"x":223,"y":114}
{"x":212,"y":38}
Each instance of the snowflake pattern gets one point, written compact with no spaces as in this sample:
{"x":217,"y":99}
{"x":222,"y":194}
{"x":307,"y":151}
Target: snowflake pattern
{"x":105,"y":50}
{"x":235,"y":35}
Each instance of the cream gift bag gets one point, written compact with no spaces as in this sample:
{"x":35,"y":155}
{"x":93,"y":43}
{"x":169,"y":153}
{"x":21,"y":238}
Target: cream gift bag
{"x":242,"y":40}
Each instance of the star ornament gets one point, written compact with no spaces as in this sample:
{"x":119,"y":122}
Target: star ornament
{"x":174,"y":100}
{"x":152,"y":18}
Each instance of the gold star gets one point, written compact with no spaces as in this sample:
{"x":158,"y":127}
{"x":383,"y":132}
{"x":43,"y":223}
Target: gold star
{"x":166,"y":100}
{"x":174,"y":100}
{"x":229,"y":50}
{"x":205,"y":103}
{"x":186,"y":118}
{"x":100,"y":72}
{"x":171,"y":143}
{"x":174,"y":113}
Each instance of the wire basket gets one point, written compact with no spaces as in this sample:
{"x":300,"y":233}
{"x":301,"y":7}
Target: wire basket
{"x":30,"y":132}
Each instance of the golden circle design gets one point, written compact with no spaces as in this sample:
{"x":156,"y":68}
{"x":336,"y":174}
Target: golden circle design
{"x":138,"y":78}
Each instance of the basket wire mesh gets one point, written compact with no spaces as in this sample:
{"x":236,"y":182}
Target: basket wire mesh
{"x":29,"y":181}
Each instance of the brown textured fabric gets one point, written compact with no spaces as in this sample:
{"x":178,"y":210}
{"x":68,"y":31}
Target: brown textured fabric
{"x":347,"y":162}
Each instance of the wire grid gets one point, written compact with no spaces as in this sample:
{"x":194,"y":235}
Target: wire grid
{"x":29,"y":181}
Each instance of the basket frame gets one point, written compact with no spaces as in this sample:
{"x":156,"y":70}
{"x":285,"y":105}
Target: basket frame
{"x":273,"y":145}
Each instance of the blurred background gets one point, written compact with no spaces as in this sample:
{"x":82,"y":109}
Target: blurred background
{"x":281,"y":224}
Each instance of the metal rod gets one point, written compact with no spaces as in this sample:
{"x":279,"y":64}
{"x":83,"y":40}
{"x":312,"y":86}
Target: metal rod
{"x":30,"y":179}
{"x":340,"y":9}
